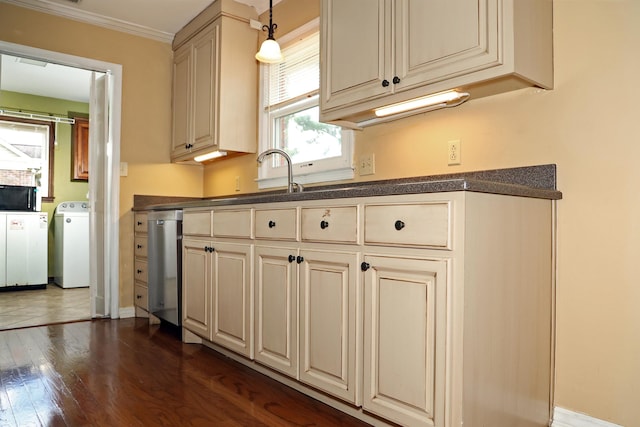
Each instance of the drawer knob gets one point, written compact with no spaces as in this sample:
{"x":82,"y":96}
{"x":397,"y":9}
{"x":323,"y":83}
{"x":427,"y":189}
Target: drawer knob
{"x":139,"y":271}
{"x":138,"y":296}
{"x":299,"y":260}
{"x":139,"y":246}
{"x":324,"y":224}
{"x":292,"y":258}
{"x":364,"y":266}
{"x":272,"y":224}
{"x":399,"y":225}
{"x":139,"y":222}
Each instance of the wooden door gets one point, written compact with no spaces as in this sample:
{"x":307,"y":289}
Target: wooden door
{"x":404,"y":339}
{"x":328,"y":322}
{"x":232,"y":290}
{"x":205,"y":80}
{"x":181,"y":106}
{"x":276,"y":308}
{"x":196,"y":287}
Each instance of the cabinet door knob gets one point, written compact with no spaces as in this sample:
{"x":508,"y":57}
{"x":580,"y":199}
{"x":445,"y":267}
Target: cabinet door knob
{"x":209,"y":249}
{"x":324,"y":224}
{"x":272,"y":224}
{"x":299,"y":260}
{"x":292,"y":258}
{"x":399,"y":225}
{"x":385,"y":83}
{"x":364,"y":266}
{"x":396,"y":80}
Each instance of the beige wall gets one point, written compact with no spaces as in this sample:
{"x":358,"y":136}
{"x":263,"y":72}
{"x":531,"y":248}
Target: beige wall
{"x":146,"y":109}
{"x":588,"y":126}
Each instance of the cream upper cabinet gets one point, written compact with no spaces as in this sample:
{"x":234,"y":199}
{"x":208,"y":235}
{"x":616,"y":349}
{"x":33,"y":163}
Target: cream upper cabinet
{"x":214,"y":83}
{"x":377,"y":53}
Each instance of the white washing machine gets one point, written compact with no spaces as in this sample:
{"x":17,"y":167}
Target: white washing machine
{"x":71,"y":228}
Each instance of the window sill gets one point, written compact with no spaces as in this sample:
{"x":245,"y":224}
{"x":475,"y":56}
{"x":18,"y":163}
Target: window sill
{"x":333,"y":175}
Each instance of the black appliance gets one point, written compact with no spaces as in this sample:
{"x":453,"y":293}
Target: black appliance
{"x":17,"y":198}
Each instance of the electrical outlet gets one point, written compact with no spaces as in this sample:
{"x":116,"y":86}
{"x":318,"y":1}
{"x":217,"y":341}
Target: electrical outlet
{"x":453,"y":152}
{"x":367,"y":164}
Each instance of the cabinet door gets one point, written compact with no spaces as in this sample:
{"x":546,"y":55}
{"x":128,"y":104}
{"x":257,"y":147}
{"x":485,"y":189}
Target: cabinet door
{"x":232,"y":286}
{"x":440,"y":39}
{"x":181,"y":133}
{"x":328,"y":322}
{"x":404,"y":339}
{"x":276,"y":308}
{"x":356,"y":51}
{"x":205,"y":78}
{"x":196,"y":287}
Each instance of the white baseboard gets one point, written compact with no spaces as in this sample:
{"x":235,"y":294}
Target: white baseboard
{"x":566,"y":418}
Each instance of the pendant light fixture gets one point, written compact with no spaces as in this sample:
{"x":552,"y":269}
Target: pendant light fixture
{"x":270,"y":50}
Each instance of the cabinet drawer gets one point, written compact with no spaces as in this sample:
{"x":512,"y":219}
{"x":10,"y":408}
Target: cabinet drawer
{"x":280,"y":224}
{"x":197,"y":223}
{"x":140,"y":246}
{"x":333,"y":224}
{"x":420,"y":224}
{"x":140,"y":272}
{"x":140,"y":296}
{"x":140,"y":222}
{"x":232,"y":223}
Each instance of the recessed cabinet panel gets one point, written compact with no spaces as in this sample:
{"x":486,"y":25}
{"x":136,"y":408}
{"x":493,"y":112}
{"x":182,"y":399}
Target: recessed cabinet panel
{"x":278,"y":224}
{"x":276,"y":308}
{"x":196,"y":223}
{"x":141,"y":297}
{"x":140,"y":272}
{"x":140,"y":223}
{"x":181,"y":100}
{"x":196,"y":289}
{"x":328,"y":351}
{"x":405,"y":331}
{"x":140,"y":246}
{"x":232,"y":223}
{"x":332,"y":224}
{"x":425,"y":224}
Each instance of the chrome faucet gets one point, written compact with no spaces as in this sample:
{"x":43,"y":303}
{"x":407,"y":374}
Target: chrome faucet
{"x":290,"y":184}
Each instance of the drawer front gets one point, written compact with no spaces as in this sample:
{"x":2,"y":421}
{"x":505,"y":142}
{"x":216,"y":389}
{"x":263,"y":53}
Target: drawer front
{"x":232,"y":223}
{"x":140,"y":272}
{"x":420,"y":224}
{"x":333,"y":224}
{"x":140,"y":222}
{"x":140,"y":296}
{"x":196,"y":223}
{"x":278,"y":224}
{"x":140,"y":246}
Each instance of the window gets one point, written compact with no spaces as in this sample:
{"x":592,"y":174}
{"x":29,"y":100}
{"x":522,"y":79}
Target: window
{"x":289,"y":117}
{"x":26,"y":154}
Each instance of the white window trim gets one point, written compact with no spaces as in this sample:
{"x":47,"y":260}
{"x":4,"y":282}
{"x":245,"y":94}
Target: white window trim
{"x":338,"y":169}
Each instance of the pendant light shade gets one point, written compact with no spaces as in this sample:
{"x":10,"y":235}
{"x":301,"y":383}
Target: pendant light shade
{"x":270,"y":50}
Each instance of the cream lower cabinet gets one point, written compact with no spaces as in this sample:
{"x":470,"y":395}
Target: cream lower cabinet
{"x":329,"y":354}
{"x":196,"y":286}
{"x":405,"y":325}
{"x":276,"y":308}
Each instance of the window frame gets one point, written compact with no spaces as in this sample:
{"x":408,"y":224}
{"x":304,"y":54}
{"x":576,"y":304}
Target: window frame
{"x":52,"y":137}
{"x":331,"y":169}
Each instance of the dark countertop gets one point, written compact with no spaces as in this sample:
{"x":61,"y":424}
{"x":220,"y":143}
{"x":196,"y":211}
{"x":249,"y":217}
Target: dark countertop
{"x":531,"y":181}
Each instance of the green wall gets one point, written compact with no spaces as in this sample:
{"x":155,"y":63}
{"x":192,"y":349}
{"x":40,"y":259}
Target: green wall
{"x":64,"y":188}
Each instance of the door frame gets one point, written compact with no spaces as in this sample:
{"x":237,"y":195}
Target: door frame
{"x":110,"y":263}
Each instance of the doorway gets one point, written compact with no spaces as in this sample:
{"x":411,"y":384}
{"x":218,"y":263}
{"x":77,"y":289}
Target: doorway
{"x":104,"y":159}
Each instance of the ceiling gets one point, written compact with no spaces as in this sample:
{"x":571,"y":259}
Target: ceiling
{"x":155,"y":19}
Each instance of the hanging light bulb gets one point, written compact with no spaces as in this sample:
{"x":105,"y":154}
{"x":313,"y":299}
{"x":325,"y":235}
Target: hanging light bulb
{"x":270,"y":50}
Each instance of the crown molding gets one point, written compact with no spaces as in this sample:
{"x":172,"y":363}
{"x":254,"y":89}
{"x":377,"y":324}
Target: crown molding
{"x":69,"y":12}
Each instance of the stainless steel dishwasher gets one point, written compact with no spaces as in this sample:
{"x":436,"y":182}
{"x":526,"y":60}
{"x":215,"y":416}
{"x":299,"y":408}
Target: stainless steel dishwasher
{"x":165,"y":265}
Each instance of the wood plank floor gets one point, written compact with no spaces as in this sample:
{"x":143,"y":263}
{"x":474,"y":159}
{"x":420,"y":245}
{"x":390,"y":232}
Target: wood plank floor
{"x":127,"y":373}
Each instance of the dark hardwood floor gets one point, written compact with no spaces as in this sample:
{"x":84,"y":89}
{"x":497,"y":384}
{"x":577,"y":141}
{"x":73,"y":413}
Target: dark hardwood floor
{"x":127,"y":373}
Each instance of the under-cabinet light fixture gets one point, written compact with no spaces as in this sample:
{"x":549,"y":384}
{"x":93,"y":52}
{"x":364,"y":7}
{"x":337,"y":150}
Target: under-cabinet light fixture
{"x":449,"y":98}
{"x":210,"y":156}
{"x":270,"y":49}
